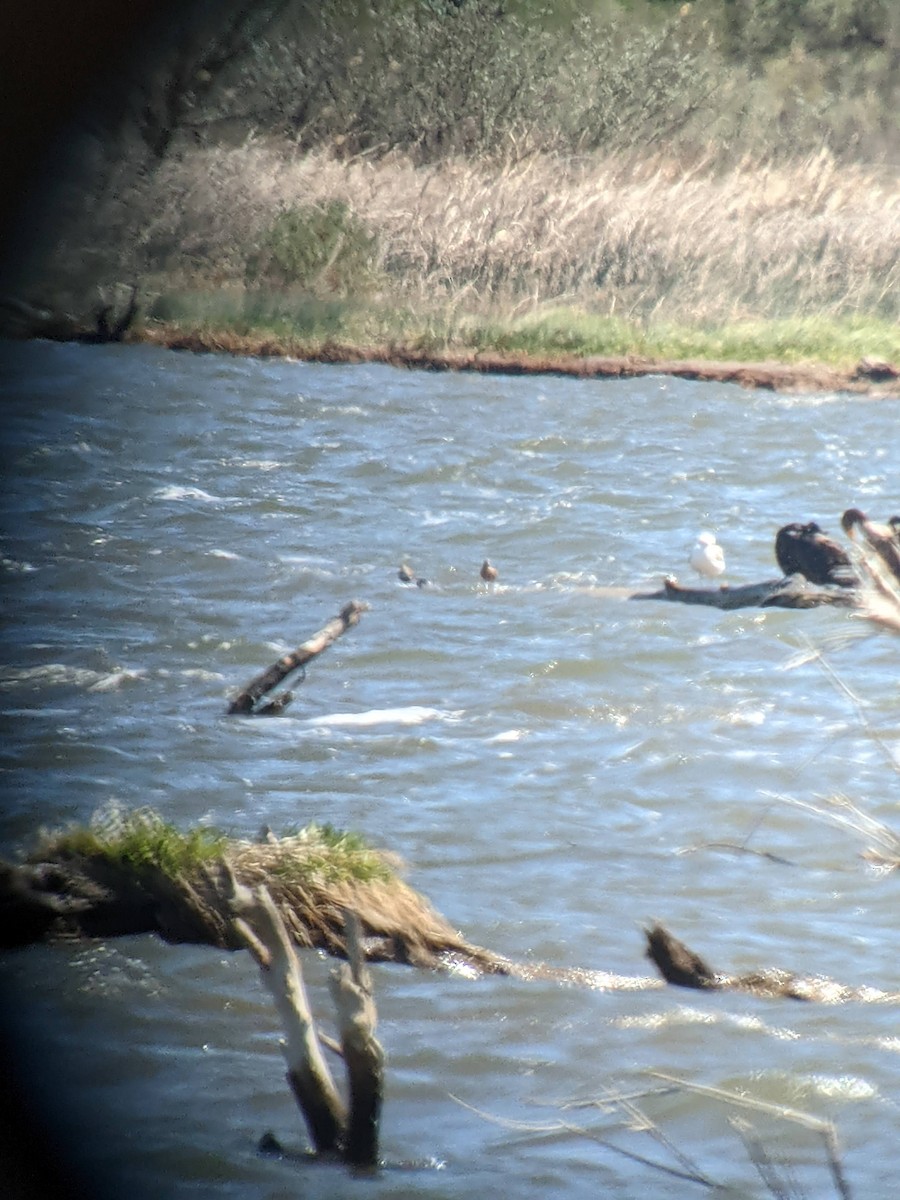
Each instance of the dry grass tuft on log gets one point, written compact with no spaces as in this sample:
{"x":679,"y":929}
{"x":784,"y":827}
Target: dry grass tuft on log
{"x":133,"y":872}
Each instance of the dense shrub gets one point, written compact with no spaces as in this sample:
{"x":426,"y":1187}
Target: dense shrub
{"x":480,"y":78}
{"x":758,"y":29}
{"x":488,"y":77}
{"x":318,"y":248}
{"x":366,"y":145}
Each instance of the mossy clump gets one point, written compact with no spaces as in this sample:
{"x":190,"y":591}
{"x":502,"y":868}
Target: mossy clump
{"x":139,"y":840}
{"x":143,"y":840}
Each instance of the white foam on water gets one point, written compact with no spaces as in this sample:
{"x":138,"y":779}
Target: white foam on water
{"x":413,"y":714}
{"x":176,"y":491}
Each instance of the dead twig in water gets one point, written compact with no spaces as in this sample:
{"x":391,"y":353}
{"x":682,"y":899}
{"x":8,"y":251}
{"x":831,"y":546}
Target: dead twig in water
{"x":737,"y":848}
{"x":841,"y":811}
{"x":540,"y":1131}
{"x":825,"y":1129}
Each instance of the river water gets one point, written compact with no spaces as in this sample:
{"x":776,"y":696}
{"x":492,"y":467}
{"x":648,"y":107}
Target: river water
{"x":551,"y":760}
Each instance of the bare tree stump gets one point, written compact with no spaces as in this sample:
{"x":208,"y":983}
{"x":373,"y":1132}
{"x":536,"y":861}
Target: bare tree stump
{"x":351,"y":990}
{"x":353,"y":1134}
{"x":258,"y":923}
{"x":246,"y":703}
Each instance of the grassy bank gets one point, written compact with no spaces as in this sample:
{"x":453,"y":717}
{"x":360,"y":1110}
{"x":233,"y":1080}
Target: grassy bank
{"x":673,"y":181}
{"x":304,"y":328}
{"x":795,"y":263}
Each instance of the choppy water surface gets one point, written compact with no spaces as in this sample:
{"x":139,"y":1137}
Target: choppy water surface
{"x":541,"y":754}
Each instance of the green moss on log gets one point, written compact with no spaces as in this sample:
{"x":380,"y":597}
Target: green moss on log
{"x":137,"y":840}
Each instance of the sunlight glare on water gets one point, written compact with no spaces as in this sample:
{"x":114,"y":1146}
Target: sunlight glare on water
{"x":551,"y":760}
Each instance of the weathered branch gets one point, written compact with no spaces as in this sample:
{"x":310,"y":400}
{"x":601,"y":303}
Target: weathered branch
{"x":246,"y":703}
{"x":792,"y":592}
{"x":257,"y":921}
{"x":333,"y":1130}
{"x":351,"y":990}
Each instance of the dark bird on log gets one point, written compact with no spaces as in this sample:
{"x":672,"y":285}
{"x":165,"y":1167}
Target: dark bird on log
{"x":884,"y":539}
{"x":805,"y":550}
{"x":489,"y":573}
{"x":405,"y":574}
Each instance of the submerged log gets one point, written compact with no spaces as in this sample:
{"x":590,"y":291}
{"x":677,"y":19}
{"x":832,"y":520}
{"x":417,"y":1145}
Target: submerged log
{"x":247,"y":701}
{"x":683,"y":967}
{"x":792,"y":592}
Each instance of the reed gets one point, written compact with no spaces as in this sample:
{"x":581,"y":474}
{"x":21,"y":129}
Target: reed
{"x":542,"y":246}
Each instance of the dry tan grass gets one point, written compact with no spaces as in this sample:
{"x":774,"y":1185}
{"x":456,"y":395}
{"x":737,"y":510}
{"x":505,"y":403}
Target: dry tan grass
{"x":621,"y":236}
{"x":133,"y":862}
{"x":881,"y":599}
{"x":312,"y":904}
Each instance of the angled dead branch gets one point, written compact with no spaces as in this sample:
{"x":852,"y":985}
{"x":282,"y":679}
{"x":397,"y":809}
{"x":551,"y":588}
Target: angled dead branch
{"x":247,"y":701}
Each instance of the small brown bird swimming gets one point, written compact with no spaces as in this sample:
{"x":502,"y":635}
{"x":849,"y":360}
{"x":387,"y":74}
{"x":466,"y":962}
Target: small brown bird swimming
{"x":884,"y":539}
{"x":805,"y":550}
{"x":406,"y":573}
{"x":489,"y":573}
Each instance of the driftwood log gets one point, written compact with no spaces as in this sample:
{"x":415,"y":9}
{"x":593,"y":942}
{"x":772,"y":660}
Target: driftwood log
{"x":680,"y":965}
{"x":792,"y":592}
{"x":247,"y":701}
{"x":82,"y":883}
{"x":21,"y":319}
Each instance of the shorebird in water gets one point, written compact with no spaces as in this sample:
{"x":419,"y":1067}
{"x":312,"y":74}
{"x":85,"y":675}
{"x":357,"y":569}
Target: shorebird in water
{"x":806,"y":550}
{"x":406,"y":573}
{"x":884,"y":539}
{"x":488,"y":572}
{"x":708,"y":557}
